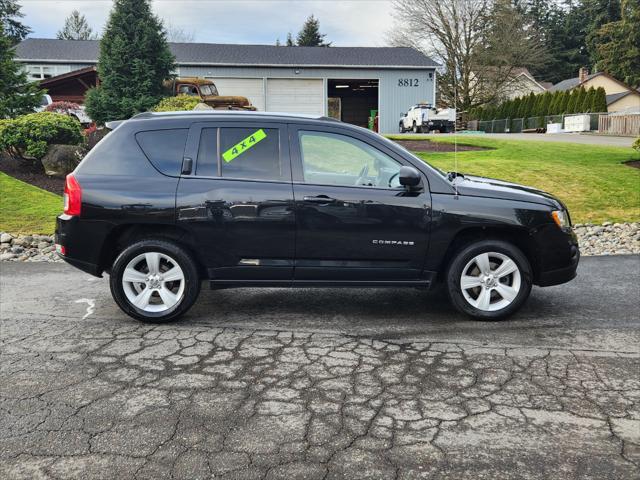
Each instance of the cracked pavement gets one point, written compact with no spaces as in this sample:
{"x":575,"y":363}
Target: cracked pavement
{"x":319,"y":383}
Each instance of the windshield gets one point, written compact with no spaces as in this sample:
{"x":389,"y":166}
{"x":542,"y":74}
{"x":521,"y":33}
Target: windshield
{"x":208,"y":90}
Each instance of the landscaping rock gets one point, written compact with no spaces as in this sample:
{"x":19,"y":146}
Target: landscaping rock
{"x":29,"y":248}
{"x":60,"y":160}
{"x":5,"y":238}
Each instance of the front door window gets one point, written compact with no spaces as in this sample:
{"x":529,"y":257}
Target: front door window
{"x":334,"y":159}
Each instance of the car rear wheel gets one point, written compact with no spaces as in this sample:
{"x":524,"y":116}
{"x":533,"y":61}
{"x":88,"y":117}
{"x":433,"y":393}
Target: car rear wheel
{"x":154,"y":281}
{"x":489,"y":280}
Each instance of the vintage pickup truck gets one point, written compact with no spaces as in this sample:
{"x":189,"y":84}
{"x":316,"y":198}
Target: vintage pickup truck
{"x":207,"y":91}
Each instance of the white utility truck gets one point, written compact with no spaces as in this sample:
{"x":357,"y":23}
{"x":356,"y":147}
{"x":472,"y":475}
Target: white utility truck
{"x":425,"y":118}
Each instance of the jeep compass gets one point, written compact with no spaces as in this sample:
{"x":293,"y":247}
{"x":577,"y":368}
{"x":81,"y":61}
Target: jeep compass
{"x":168,"y":200}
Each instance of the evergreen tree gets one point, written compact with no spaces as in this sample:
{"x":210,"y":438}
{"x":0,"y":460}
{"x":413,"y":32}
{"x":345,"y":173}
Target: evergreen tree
{"x":76,"y":27}
{"x":134,"y":60}
{"x":563,"y":102}
{"x":290,"y":40}
{"x":310,"y":35}
{"x":531,"y":102}
{"x":571,"y":104}
{"x":515,"y":108}
{"x":582,"y":94}
{"x":10,"y":15}
{"x":17,"y":96}
{"x":585,"y":107}
{"x":617,"y":45}
{"x":599,"y":101}
{"x":546,"y":103}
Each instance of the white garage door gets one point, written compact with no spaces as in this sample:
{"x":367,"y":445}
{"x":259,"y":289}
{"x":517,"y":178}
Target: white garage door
{"x":252,"y":88}
{"x":295,"y":95}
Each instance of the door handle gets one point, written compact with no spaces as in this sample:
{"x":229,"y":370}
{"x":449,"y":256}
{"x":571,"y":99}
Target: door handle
{"x":187,"y":166}
{"x":320,"y":199}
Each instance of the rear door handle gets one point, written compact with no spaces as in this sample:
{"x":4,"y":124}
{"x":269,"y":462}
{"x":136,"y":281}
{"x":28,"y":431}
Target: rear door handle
{"x":320,"y":199}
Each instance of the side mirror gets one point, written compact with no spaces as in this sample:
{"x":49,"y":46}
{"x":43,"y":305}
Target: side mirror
{"x":409,"y":177}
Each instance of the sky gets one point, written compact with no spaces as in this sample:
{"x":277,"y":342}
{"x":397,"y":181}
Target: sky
{"x":346,"y":22}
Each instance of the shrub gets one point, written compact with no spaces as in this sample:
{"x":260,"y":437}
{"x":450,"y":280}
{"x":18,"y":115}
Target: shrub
{"x":636,"y":144}
{"x":30,"y":135}
{"x":174,"y":104}
{"x":62,"y":107}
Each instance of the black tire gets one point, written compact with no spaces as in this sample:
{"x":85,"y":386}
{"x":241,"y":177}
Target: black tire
{"x":469,"y":252}
{"x":175,"y":252}
{"x":401,"y":128}
{"x":416,"y":128}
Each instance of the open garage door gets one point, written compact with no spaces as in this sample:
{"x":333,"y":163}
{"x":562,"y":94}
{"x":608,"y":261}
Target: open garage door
{"x":252,"y":88}
{"x":295,"y":95}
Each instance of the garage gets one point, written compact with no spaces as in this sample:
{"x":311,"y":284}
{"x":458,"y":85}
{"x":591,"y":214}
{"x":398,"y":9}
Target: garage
{"x":353,"y":84}
{"x":252,"y":88}
{"x":295,"y":95}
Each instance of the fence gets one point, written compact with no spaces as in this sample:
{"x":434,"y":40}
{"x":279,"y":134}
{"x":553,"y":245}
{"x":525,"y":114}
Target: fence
{"x":517,"y":125}
{"x":619,"y":124}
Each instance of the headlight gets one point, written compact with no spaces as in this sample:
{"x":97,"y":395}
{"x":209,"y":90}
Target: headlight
{"x":561,"y":218}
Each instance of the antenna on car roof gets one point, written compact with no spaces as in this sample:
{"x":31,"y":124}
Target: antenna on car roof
{"x":455,"y":132}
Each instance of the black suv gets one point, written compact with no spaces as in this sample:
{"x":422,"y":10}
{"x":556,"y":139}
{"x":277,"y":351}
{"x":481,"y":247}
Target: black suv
{"x":240,"y":199}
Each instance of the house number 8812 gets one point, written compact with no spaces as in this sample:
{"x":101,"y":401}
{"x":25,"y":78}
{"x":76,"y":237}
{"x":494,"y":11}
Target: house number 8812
{"x":408,"y":82}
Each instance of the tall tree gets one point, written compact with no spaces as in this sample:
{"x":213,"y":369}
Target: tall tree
{"x":599,"y":101}
{"x":480,"y":44}
{"x":290,"y":42}
{"x":310,"y":35}
{"x":10,"y":16}
{"x":618,"y":45}
{"x":17,"y":96}
{"x":76,"y":27}
{"x":134,"y":60}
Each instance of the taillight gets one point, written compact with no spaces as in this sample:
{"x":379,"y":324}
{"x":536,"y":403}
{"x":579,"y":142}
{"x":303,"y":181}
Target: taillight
{"x":72,"y":196}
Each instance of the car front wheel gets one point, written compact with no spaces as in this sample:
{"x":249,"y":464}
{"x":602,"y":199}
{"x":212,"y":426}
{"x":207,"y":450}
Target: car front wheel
{"x":154,"y":281}
{"x":489,"y":280}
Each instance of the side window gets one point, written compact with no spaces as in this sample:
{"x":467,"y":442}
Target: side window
{"x":252,"y":153}
{"x":207,"y":164}
{"x":185,"y":89}
{"x":334,"y":159}
{"x":164,"y":148}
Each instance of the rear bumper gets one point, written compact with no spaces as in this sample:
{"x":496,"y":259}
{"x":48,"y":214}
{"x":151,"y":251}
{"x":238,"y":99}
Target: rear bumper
{"x":81,"y":243}
{"x":89,"y":268}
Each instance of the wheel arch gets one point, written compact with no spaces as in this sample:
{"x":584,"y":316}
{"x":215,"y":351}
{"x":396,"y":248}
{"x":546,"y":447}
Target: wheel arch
{"x":122,"y":236}
{"x":519,"y":237}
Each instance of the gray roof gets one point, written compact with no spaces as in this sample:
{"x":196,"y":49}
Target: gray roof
{"x":86,"y":51}
{"x":569,"y":83}
{"x":613,"y":97}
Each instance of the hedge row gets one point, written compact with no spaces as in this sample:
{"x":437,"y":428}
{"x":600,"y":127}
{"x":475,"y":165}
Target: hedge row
{"x":577,"y":100}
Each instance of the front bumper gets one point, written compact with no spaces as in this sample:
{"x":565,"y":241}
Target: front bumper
{"x":561,"y":275}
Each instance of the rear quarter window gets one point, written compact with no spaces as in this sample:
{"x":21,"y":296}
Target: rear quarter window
{"x":164,"y":148}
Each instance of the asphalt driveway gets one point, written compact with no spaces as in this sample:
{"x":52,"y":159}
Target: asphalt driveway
{"x":327,"y":383}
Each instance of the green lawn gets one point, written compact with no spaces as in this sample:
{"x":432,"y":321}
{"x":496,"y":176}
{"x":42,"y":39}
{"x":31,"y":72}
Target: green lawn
{"x":25,"y":208}
{"x":590,"y":179}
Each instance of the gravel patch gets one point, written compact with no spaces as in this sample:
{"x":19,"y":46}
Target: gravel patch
{"x":28,"y":248}
{"x":605,"y":239}
{"x":608,"y":238}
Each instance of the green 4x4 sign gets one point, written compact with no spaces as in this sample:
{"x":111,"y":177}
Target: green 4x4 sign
{"x":244,"y":145}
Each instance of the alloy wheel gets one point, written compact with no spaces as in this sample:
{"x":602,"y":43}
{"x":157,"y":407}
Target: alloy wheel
{"x":490,"y":281}
{"x":153,"y":282}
